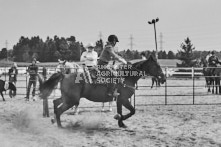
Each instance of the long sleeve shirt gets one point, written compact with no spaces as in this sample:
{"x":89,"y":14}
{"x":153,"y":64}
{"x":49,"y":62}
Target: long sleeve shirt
{"x":109,"y":54}
{"x":33,"y":71}
{"x":13,"y":74}
{"x":90,"y":58}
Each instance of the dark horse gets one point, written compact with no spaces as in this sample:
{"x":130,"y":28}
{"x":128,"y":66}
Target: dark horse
{"x":7,"y":86}
{"x":155,"y":80}
{"x":73,"y":87}
{"x":212,"y":76}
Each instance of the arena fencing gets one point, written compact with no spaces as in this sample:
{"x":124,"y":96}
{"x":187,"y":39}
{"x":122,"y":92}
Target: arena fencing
{"x":189,"y":76}
{"x":192,"y":84}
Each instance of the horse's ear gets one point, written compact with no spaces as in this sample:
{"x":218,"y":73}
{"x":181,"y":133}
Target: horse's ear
{"x":151,"y":58}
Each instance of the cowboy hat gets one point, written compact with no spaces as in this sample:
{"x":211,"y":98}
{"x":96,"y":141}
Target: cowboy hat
{"x":90,"y":45}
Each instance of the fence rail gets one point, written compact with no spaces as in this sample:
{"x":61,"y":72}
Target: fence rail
{"x":171,"y":73}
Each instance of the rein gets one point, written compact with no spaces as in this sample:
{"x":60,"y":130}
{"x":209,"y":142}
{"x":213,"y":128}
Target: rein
{"x":128,"y":86}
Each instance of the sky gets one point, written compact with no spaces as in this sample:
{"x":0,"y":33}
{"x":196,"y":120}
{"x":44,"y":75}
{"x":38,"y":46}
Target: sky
{"x":88,"y":20}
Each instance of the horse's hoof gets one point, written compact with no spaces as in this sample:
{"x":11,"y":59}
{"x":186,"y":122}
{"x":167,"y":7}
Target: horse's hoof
{"x":117,"y":117}
{"x":121,"y":124}
{"x":76,"y":113}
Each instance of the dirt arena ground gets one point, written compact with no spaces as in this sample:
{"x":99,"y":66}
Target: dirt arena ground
{"x":153,"y":125}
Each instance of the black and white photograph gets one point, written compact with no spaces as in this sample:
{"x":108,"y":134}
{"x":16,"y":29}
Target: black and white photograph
{"x":110,"y":73}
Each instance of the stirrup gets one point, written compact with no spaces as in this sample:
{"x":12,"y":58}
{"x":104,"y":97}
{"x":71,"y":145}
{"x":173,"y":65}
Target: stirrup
{"x":115,"y":94}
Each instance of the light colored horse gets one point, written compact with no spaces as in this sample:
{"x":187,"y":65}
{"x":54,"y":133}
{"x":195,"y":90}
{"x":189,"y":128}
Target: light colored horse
{"x":110,"y":106}
{"x":67,"y":68}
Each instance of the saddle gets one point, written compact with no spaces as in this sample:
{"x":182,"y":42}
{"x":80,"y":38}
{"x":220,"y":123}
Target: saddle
{"x":95,"y":76}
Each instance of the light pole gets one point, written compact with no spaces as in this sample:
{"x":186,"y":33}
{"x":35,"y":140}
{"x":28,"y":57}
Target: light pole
{"x":154,"y":21}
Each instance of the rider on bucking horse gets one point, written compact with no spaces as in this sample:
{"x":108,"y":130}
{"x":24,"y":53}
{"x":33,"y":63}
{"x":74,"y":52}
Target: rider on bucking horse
{"x":107,"y":55}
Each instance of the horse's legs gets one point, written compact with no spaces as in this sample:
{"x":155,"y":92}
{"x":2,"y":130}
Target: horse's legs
{"x":119,"y":111}
{"x":10,"y":93}
{"x":213,"y":86}
{"x":57,"y":104}
{"x":216,"y":84}
{"x":128,"y":105}
{"x":102,"y":109}
{"x":158,"y":81}
{"x":59,"y":107}
{"x":110,"y":106}
{"x":152,"y":83}
{"x":2,"y":96}
{"x":209,"y":83}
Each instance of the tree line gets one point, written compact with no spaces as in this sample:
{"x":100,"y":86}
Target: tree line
{"x":70,"y":49}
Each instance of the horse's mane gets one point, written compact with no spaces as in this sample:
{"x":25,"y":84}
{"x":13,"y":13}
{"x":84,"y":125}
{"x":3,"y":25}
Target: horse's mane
{"x":137,"y":65}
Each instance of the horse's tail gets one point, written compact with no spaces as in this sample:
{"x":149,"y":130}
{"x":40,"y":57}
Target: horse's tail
{"x":49,"y":85}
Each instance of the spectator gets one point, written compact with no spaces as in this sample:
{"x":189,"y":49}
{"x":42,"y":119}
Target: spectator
{"x":44,"y":73}
{"x":13,"y":72}
{"x":208,"y":56}
{"x":89,"y":57}
{"x":213,"y":60}
{"x":32,"y":71}
{"x":143,"y":56}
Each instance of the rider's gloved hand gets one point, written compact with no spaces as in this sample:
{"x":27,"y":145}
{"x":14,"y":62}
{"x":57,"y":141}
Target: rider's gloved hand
{"x":123,"y":61}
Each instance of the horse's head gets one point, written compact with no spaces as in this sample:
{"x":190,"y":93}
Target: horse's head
{"x":72,"y":67}
{"x":152,"y":67}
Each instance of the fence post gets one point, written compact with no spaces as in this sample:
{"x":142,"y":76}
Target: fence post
{"x":193,"y":77}
{"x":5,"y":76}
{"x":26,"y":78}
{"x":134,"y":99}
{"x":166,"y":73}
{"x":45,"y":105}
{"x":45,"y":108}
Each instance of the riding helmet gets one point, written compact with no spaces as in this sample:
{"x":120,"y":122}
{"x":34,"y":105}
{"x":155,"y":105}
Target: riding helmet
{"x":112,"y":38}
